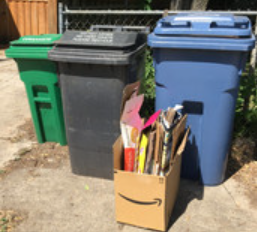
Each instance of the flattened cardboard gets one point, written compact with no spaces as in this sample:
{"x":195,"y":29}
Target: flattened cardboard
{"x":141,"y":199}
{"x":177,"y":135}
{"x":118,"y":158}
{"x":129,"y":91}
{"x":150,"y":151}
{"x":130,"y":114}
{"x":167,"y":123}
{"x":157,"y":153}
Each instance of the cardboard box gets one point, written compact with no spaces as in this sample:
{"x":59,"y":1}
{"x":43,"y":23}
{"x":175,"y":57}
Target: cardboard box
{"x":146,"y":200}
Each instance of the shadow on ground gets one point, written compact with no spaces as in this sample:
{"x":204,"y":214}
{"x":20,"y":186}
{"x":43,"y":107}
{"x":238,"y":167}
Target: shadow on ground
{"x":243,"y":152}
{"x":188,"y":191}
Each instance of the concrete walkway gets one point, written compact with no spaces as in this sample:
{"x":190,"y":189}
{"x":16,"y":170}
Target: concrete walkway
{"x":14,"y":109}
{"x":57,"y":201}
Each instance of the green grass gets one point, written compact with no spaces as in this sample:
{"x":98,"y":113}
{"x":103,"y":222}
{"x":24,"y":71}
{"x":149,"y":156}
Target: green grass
{"x":148,"y":87}
{"x":3,"y":225}
{"x":246,"y":117}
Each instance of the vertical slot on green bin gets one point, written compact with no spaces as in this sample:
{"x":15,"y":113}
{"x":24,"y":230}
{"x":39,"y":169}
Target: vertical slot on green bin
{"x":47,"y":121}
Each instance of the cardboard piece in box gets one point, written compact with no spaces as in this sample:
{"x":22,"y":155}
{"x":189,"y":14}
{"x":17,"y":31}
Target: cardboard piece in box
{"x":129,"y":91}
{"x":147,"y":200}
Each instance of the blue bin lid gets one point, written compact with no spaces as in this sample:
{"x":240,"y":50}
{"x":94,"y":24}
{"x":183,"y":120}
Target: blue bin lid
{"x":203,"y":30}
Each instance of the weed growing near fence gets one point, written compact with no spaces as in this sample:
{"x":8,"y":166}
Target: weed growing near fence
{"x":246,"y":116}
{"x":148,"y":86}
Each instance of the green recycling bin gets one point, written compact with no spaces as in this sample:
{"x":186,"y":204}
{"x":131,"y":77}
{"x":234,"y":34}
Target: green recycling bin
{"x":40,"y":78}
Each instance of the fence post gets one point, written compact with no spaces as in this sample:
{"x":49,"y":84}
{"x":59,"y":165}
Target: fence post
{"x":253,"y":54}
{"x":66,"y":22}
{"x":60,"y":17}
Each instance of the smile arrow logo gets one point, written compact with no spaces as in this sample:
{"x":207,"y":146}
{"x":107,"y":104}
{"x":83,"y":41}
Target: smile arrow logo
{"x":157,"y":201}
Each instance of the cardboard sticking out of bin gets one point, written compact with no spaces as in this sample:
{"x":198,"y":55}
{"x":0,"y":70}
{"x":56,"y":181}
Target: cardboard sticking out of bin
{"x":135,"y":134}
{"x":140,"y":192}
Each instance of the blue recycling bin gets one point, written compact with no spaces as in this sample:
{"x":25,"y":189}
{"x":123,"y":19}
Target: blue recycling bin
{"x":198,"y":60}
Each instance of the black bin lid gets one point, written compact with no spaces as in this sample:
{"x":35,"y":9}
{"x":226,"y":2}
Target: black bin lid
{"x":98,"y":47}
{"x":98,"y":39}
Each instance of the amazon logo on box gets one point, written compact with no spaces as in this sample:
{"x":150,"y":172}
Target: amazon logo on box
{"x":155,"y":201}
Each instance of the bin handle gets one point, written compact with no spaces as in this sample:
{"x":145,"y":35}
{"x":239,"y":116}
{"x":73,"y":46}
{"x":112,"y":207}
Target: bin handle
{"x":42,"y":100}
{"x":120,"y":28}
{"x":205,"y":24}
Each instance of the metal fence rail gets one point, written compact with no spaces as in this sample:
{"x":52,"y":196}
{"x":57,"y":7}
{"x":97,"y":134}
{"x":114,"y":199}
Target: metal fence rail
{"x":147,"y":12}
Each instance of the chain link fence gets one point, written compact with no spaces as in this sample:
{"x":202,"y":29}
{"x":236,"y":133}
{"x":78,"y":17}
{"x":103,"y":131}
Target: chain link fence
{"x":83,"y":22}
{"x":79,"y":19}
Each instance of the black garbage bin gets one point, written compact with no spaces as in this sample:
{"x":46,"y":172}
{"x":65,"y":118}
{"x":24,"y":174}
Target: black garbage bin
{"x":93,"y":68}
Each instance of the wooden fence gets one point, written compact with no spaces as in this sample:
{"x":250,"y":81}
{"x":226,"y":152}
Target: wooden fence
{"x":27,"y":17}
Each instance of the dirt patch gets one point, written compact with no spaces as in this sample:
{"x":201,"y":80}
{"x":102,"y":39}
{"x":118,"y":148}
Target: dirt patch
{"x":47,"y":155}
{"x":244,"y":151}
{"x":25,"y":132}
{"x":242,"y":166}
{"x":9,"y":219}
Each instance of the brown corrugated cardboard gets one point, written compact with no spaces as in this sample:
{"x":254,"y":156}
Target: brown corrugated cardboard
{"x":150,"y":151}
{"x":158,"y":146}
{"x":177,"y":133}
{"x":147,"y":200}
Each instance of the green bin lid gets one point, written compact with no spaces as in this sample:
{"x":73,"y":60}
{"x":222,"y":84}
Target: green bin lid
{"x":32,"y":46}
{"x":46,"y":39}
